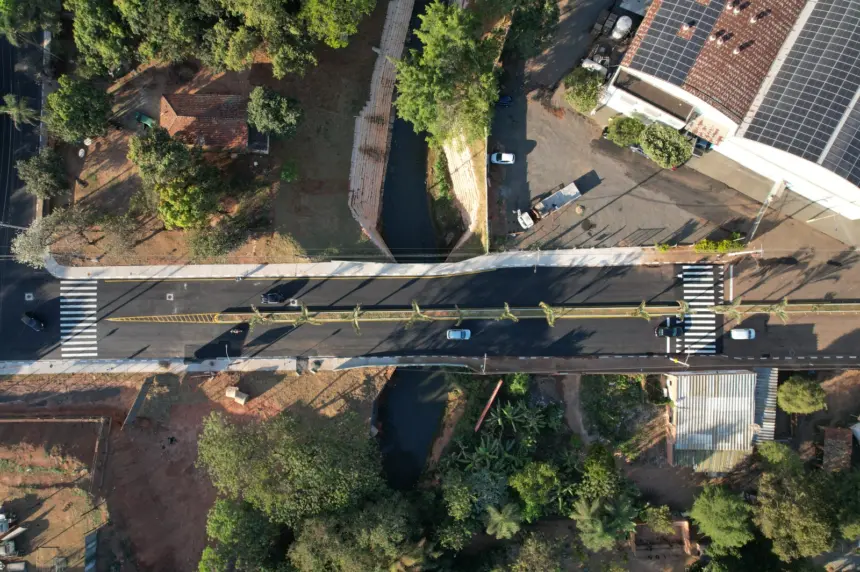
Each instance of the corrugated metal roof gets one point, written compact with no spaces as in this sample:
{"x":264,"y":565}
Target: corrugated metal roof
{"x":765,"y":402}
{"x":714,"y":411}
{"x":710,"y":461}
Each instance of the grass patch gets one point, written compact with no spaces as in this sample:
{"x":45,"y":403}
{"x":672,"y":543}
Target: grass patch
{"x":10,"y":466}
{"x":611,"y":405}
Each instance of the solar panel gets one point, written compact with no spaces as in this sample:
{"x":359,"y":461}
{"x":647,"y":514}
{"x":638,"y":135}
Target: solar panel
{"x":665,"y":54}
{"x":813,"y":89}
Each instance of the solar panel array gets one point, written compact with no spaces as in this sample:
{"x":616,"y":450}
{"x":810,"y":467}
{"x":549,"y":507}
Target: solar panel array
{"x":665,"y":54}
{"x":813,"y":90}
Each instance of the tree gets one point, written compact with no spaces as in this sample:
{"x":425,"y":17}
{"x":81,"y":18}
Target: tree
{"x":270,"y":112}
{"x":376,"y":535}
{"x":620,"y":515}
{"x":533,"y":25}
{"x":169,"y":30}
{"x":593,"y":531}
{"x":242,"y":535}
{"x":799,"y":395}
{"x":31,"y":246}
{"x":665,"y":146}
{"x":333,"y":21}
{"x":582,"y":89}
{"x":102,"y":37}
{"x":78,"y":109}
{"x":625,"y":131}
{"x":535,"y":485}
{"x":229,"y":48}
{"x":536,"y":554}
{"x":119,"y":233}
{"x":26,"y":16}
{"x":503,"y":523}
{"x":448,"y":88}
{"x":291,"y":470}
{"x":161,"y":159}
{"x":658,"y":519}
{"x":183,"y":206}
{"x":18,"y":110}
{"x":43,"y":175}
{"x":722,"y":516}
{"x":599,"y":477}
{"x":847,"y":499}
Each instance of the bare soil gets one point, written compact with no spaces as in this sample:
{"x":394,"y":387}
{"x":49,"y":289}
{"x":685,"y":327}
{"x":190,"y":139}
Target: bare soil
{"x":572,"y":406}
{"x":454,"y":410}
{"x":157,"y":497}
{"x":308,"y":218}
{"x":843,"y":406}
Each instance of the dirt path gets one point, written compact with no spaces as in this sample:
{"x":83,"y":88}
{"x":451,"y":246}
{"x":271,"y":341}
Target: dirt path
{"x":572,"y":411}
{"x":454,"y":410}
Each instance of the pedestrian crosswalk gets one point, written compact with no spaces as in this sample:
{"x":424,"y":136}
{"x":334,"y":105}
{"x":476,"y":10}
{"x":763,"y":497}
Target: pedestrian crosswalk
{"x":78,"y":318}
{"x":703,"y":289}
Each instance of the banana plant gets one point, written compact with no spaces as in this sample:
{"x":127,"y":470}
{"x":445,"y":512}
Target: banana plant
{"x":549,"y":312}
{"x":355,"y":313}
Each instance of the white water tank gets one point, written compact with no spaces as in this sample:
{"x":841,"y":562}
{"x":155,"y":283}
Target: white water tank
{"x":622,"y":27}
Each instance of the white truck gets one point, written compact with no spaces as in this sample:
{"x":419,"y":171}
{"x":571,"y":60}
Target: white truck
{"x":544,"y":208}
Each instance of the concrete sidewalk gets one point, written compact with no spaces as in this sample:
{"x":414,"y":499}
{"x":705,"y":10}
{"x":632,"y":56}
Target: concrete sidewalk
{"x":596,"y":257}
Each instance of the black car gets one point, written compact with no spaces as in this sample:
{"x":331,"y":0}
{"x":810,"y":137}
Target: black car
{"x":672,"y":328}
{"x":271,"y":298}
{"x":32,"y":322}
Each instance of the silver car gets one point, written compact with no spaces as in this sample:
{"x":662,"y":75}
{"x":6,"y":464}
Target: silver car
{"x":458,"y":334}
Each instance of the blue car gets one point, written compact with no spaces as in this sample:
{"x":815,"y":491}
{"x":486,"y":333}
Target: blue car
{"x":505,"y":101}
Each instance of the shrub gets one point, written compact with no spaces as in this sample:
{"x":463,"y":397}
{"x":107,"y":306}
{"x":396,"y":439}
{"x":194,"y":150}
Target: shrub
{"x":799,"y":395}
{"x":271,"y":112}
{"x":723,"y":516}
{"x":78,"y":109}
{"x":731,"y":244}
{"x":625,"y":131}
{"x":535,"y":485}
{"x":665,"y":146}
{"x":583,"y":89}
{"x":183,"y":207}
{"x":663,"y":247}
{"x":518,"y":384}
{"x":289,"y":172}
{"x":44,"y":175}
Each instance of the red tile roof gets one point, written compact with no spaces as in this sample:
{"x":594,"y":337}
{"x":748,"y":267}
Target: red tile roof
{"x":209,"y":120}
{"x":721,"y":78}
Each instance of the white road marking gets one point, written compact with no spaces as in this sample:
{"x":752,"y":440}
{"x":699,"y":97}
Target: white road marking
{"x":79,"y":318}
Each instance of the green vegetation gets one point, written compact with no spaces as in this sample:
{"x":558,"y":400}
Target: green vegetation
{"x":800,"y":396}
{"x":582,"y":89}
{"x":625,"y":131}
{"x":240,"y":534}
{"x":732,"y":244}
{"x":333,"y":21}
{"x":537,"y":554}
{"x":448,"y":88}
{"x":271,"y":112}
{"x":183,"y":206}
{"x":289,"y":172}
{"x":213,"y":241}
{"x":102,"y":38}
{"x":665,"y":145}
{"x":724,"y":516}
{"x":43,"y":175}
{"x":612,"y":404}
{"x":31,"y":246}
{"x":19,"y":17}
{"x":503,"y":523}
{"x":18,"y":110}
{"x":78,"y":109}
{"x":658,"y":519}
{"x":533,"y":25}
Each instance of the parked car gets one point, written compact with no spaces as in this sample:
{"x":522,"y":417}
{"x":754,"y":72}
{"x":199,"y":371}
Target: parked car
{"x":505,"y":101}
{"x":458,"y":334}
{"x":742,"y":334}
{"x":32,"y":322}
{"x":673,"y":328}
{"x":271,"y":298}
{"x":502,"y":158}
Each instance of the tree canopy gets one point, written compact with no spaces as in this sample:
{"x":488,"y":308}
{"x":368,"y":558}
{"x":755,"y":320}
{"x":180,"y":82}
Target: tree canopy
{"x":625,"y":131}
{"x":583,"y":89}
{"x":103,"y":39}
{"x":665,"y":145}
{"x":333,"y":21}
{"x":43,"y":175}
{"x":316,"y":471}
{"x":26,"y":16}
{"x":241,"y":535}
{"x":78,"y":109}
{"x":801,"y":395}
{"x":18,"y":110}
{"x":448,"y":88}
{"x":271,"y":112}
{"x":723,"y":516}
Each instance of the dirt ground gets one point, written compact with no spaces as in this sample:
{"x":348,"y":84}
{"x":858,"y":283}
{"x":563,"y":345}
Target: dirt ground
{"x":309,"y":217}
{"x":45,"y":480}
{"x":572,"y":407}
{"x":843,"y":406}
{"x":157,"y":497}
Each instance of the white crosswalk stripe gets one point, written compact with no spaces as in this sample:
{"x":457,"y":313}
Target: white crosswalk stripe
{"x":703,"y":288}
{"x":79,"y":318}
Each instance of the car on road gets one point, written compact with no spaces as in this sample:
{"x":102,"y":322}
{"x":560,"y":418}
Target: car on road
{"x":502,"y":158}
{"x":673,"y":328}
{"x":742,"y":334}
{"x":458,"y":334}
{"x":505,"y":101}
{"x":271,"y":298}
{"x":32,"y":322}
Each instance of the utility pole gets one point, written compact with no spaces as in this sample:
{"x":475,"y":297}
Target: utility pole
{"x":484,"y":365}
{"x":15,"y":226}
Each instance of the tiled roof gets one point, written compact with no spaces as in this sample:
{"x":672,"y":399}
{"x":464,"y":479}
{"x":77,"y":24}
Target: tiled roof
{"x":208,"y":120}
{"x":726,"y":80}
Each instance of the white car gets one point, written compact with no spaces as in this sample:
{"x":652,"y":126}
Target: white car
{"x":742,"y":334}
{"x":502,"y":158}
{"x":458,"y":334}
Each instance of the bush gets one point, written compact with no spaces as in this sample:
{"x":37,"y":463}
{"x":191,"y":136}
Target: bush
{"x":625,"y":131}
{"x":731,"y":244}
{"x":518,"y":384}
{"x":78,"y":109}
{"x":289,"y":172}
{"x":799,"y":395}
{"x":665,"y":146}
{"x":44,"y":175}
{"x":535,"y":485}
{"x":583,"y":89}
{"x":723,"y":516}
{"x":271,"y":112}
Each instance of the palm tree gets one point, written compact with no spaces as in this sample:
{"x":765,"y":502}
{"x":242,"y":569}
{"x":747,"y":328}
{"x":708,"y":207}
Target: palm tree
{"x":641,"y":312}
{"x":416,"y":557}
{"x":683,"y":309}
{"x":503,"y":523}
{"x":459,"y":316}
{"x":549,"y":312}
{"x":592,"y":529}
{"x":355,"y":312}
{"x":507,"y":315}
{"x":779,"y":310}
{"x":17,"y":109}
{"x":619,"y":517}
{"x":305,"y":318}
{"x":729,"y":310}
{"x":257,"y":318}
{"x":417,"y":315}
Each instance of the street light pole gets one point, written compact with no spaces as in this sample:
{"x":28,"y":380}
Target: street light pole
{"x":15,"y":226}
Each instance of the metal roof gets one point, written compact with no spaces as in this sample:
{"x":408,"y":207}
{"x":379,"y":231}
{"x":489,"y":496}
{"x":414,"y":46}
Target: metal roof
{"x":714,"y":411}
